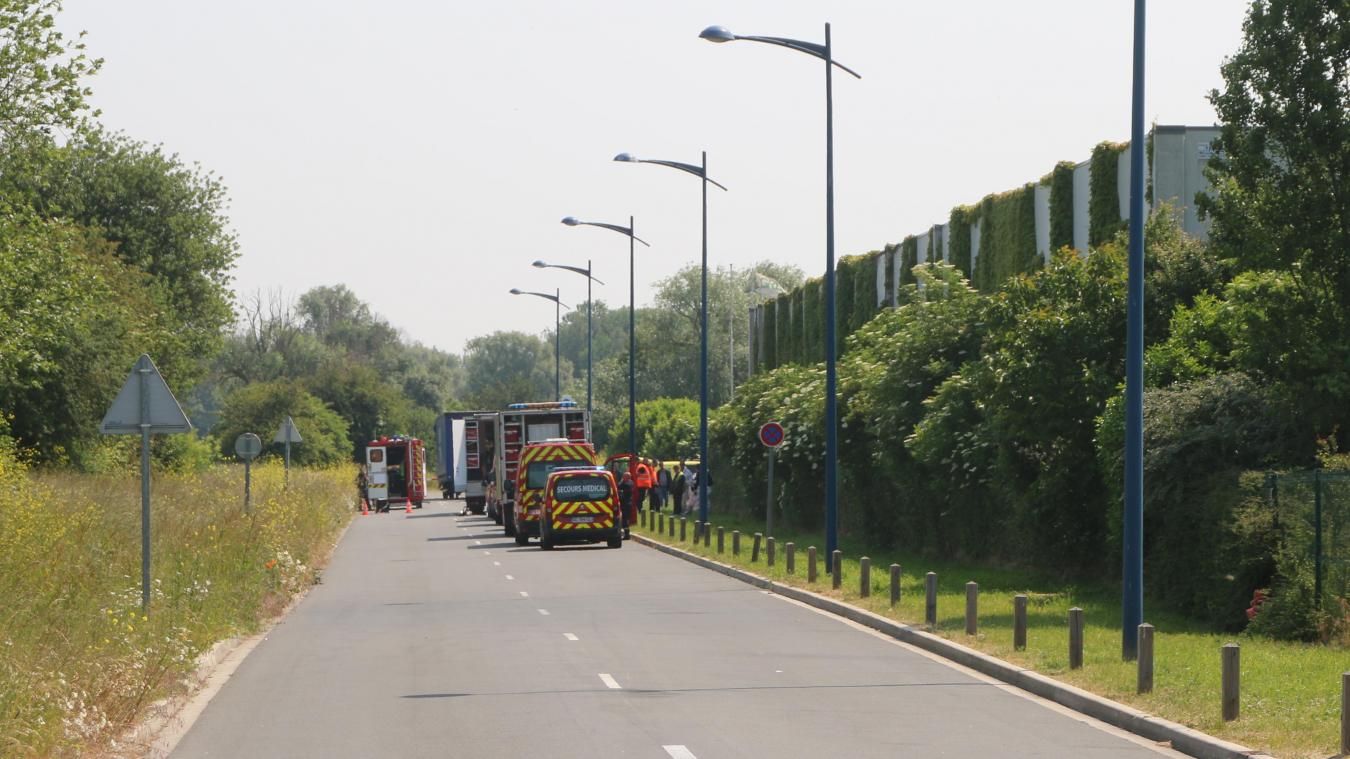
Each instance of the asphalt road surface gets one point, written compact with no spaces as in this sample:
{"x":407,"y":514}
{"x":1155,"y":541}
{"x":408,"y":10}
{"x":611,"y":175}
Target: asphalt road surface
{"x":433,"y":636}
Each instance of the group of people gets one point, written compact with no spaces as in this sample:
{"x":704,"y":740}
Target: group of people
{"x":649,"y":481}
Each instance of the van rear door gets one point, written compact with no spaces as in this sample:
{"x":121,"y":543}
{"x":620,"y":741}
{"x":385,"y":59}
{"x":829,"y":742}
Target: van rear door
{"x":377,"y":474}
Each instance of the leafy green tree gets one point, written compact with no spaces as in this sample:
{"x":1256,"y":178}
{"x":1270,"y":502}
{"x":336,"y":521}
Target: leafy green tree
{"x":261,"y":408}
{"x":508,"y":367}
{"x":74,"y":320}
{"x":41,"y":73}
{"x":1280,"y":197}
{"x":667,"y":429}
{"x":166,"y":219}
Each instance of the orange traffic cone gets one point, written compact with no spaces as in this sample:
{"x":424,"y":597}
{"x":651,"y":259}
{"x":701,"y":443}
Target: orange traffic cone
{"x":365,"y":508}
{"x":407,"y":506}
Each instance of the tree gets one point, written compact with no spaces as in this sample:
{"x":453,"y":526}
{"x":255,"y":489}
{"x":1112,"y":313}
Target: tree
{"x":40,"y":72}
{"x":166,"y":219}
{"x":1281,"y":177}
{"x":667,"y":429}
{"x":508,"y":367}
{"x":262,"y":407}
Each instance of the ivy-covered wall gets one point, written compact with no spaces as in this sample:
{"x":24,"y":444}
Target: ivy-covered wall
{"x":768,"y":343}
{"x":958,"y":235}
{"x":864,"y":289}
{"x":813,"y":326}
{"x":1061,"y":205}
{"x":1008,"y":238}
{"x":1104,"y":196}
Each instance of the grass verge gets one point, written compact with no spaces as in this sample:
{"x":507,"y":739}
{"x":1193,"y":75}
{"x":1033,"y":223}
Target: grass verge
{"x":79,"y":661}
{"x":1290,"y":691}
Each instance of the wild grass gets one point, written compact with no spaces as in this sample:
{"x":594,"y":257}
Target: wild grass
{"x":1290,"y":692}
{"x":79,"y":660}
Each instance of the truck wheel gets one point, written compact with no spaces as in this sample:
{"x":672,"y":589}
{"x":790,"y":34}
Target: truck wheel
{"x":522,"y":537}
{"x":615,"y":542}
{"x":509,"y":523}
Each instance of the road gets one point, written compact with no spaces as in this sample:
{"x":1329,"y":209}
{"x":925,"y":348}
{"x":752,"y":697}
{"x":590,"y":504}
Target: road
{"x":433,"y":636}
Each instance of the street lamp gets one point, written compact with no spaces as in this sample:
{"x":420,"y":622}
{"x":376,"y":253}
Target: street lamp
{"x":586,"y":272}
{"x":558,"y":306}
{"x":627,"y":231}
{"x":700,"y":171}
{"x":721,"y":34}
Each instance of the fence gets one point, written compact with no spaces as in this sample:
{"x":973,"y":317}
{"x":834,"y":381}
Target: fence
{"x":1313,"y":508}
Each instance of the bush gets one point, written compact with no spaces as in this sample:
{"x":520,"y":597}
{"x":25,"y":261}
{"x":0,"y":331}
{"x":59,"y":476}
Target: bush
{"x":667,"y":429}
{"x":261,"y":408}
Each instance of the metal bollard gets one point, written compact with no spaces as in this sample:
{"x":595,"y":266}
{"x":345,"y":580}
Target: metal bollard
{"x":671,"y":525}
{"x":642,"y":519}
{"x":837,"y":567}
{"x":1232,"y":681}
{"x":1075,"y":638}
{"x":721,"y":538}
{"x":660,"y":524}
{"x":735,"y":542}
{"x":707,"y":534}
{"x":1345,"y":712}
{"x":930,"y":599}
{"x":683,"y":522}
{"x":864,"y":577}
{"x":895,"y":584}
{"x":1145,"y":648}
{"x":791,"y":550}
{"x":754,"y":552}
{"x":972,"y":608}
{"x":1020,"y":622}
{"x":769,"y":550}
{"x":811,"y":564}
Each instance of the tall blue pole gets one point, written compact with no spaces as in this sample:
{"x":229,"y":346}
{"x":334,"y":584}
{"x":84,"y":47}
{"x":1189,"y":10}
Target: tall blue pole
{"x":589,"y":365}
{"x":1132,"y":585}
{"x":704,"y":465}
{"x":831,"y":409}
{"x":632,"y":344}
{"x":557,"y":346}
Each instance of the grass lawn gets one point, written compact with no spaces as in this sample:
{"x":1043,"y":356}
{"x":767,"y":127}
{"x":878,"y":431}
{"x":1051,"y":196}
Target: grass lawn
{"x":1290,"y":692}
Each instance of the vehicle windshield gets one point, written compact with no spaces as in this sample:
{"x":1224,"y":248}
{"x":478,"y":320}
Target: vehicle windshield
{"x":537,"y":476}
{"x":592,"y":488}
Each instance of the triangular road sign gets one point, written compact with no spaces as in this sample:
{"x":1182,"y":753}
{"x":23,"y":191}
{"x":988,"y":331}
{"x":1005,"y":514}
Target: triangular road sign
{"x":287,"y":433}
{"x":165,"y":415}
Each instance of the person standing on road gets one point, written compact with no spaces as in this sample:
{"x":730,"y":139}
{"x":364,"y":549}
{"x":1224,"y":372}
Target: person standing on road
{"x":626,"y":500}
{"x":362,"y":485}
{"x":677,"y":488}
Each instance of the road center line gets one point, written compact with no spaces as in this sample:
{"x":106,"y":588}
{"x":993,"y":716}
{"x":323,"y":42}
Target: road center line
{"x":509,"y":577}
{"x":569,"y":636}
{"x":523,"y":594}
{"x":496,"y":563}
{"x":543,"y":611}
{"x":679,"y":752}
{"x":609,"y":682}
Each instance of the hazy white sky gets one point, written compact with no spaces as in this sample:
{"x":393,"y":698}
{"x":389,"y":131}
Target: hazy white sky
{"x":422,"y":153}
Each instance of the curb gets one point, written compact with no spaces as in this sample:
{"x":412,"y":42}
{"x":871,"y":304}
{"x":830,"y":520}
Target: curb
{"x":1182,"y":738}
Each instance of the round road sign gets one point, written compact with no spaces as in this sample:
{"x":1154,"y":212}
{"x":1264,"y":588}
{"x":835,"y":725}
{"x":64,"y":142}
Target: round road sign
{"x":771,"y":434}
{"x":247,"y":446}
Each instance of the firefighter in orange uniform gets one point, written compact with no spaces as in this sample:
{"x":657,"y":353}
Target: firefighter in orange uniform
{"x":643,"y":480}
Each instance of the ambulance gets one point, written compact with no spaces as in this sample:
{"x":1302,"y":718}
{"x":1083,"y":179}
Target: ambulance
{"x":396,"y":472}
{"x":537,"y":461}
{"x":581,"y":505}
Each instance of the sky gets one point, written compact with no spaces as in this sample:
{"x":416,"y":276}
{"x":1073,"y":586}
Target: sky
{"x":422,"y":153}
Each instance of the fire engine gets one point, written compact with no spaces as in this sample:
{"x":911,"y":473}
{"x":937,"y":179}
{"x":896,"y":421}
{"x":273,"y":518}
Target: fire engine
{"x":537,"y":460}
{"x":493,"y":442}
{"x":396,"y":472}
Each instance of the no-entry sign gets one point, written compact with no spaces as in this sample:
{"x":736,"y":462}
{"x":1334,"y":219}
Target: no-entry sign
{"x":771,"y":434}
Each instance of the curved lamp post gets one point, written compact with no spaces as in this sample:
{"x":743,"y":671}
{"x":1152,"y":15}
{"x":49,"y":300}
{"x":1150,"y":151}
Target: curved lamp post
{"x":700,"y":171}
{"x":721,"y":34}
{"x":586,"y":272}
{"x":558,"y":306}
{"x":627,"y":231}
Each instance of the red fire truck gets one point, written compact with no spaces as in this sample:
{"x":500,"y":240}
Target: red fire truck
{"x":396,"y":472}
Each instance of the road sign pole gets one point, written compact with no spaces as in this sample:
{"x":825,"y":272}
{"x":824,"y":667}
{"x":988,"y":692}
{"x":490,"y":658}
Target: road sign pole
{"x":248,"y":487}
{"x":768,"y":505}
{"x":287,"y":482}
{"x":143,"y":383}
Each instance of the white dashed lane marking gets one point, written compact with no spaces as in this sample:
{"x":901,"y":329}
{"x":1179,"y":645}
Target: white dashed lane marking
{"x":609,"y":681}
{"x":523,"y":594}
{"x":544,"y":612}
{"x":509,"y":577}
{"x":569,"y":636}
{"x":679,"y":752}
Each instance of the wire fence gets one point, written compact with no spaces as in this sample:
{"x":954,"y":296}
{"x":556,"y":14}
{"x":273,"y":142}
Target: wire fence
{"x":1314,"y":509}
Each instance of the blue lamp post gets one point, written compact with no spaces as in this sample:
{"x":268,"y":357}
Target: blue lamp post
{"x":627,"y":231}
{"x":557,"y":334}
{"x":721,"y":34}
{"x":1132,"y":542}
{"x":586,"y":272}
{"x":700,"y":171}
